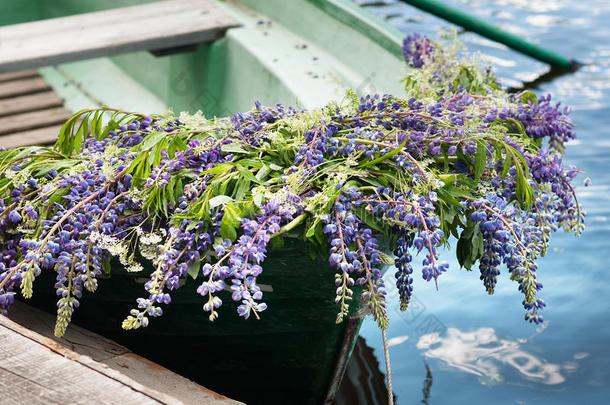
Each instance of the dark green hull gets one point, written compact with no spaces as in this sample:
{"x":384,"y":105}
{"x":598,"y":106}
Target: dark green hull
{"x":291,"y":355}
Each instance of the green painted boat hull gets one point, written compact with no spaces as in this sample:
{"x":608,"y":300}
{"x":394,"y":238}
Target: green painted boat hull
{"x":302,"y":53}
{"x":288,"y":356}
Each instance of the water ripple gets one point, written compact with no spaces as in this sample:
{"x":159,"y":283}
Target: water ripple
{"x":478,"y":346}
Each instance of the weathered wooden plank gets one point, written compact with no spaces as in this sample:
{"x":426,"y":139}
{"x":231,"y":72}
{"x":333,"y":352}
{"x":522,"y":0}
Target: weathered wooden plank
{"x":21,"y":87}
{"x":39,"y":136}
{"x":118,"y":357}
{"x":30,"y":102}
{"x":104,"y":17}
{"x":33,"y":120}
{"x":36,"y":370}
{"x":167,"y":24}
{"x":22,"y":74}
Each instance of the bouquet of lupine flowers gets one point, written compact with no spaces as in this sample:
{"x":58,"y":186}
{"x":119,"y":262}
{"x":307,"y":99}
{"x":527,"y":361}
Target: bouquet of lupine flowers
{"x":187,"y":196}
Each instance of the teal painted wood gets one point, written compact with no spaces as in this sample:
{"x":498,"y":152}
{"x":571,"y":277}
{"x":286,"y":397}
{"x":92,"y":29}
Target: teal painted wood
{"x":15,"y":12}
{"x":287,"y":356}
{"x":306,"y":53}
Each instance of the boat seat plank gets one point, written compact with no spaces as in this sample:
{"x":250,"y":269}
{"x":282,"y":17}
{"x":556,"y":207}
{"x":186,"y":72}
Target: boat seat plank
{"x":33,"y":120}
{"x":30,"y":102}
{"x":39,"y":136}
{"x":153,"y":26}
{"x":22,"y":74}
{"x":21,"y":87}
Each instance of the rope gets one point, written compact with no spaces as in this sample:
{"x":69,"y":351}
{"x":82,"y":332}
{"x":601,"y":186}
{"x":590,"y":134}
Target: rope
{"x":388,"y":367}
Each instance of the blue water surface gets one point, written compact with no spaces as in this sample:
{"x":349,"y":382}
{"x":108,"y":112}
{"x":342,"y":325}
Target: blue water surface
{"x":478,"y":347}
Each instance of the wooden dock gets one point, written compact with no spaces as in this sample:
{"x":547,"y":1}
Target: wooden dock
{"x":83,"y":368}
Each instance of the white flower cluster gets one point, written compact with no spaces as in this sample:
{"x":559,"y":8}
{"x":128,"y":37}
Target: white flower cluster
{"x":307,"y":119}
{"x":21,"y":177}
{"x":192,"y":120}
{"x":135,"y":267}
{"x":316,"y":202}
{"x":150,"y":242}
{"x":116,"y":248}
{"x":137,"y":196}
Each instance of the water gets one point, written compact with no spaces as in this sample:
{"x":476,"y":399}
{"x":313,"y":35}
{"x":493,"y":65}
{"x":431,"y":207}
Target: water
{"x":478,"y":347}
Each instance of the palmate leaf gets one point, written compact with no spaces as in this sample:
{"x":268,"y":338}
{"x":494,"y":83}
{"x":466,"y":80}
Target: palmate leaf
{"x":77,"y":128}
{"x":247,"y":174}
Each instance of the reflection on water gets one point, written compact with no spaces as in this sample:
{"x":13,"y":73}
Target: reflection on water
{"x":477,"y":347}
{"x":364,"y":384}
{"x":484,"y":354}
{"x":427,"y":385}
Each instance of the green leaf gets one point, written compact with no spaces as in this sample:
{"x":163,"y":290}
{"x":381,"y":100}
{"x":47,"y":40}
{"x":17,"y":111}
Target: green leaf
{"x":219,"y":169}
{"x":258,"y":198}
{"x":524,"y":191}
{"x":176,"y":144}
{"x":96,"y":125}
{"x":276,"y":243}
{"x":445,"y":195}
{"x":388,"y":155}
{"x":233,"y":148}
{"x":476,"y":244}
{"x":219,"y":200}
{"x":151,"y":140}
{"x":517,"y":126}
{"x":106,"y":267}
{"x":81,"y":134}
{"x":464,"y":247}
{"x":111,"y":126}
{"x":263,"y":172}
{"x":480,"y":160}
{"x":194,"y":269}
{"x":386,"y":258}
{"x":65,"y":141}
{"x":230,"y":221}
{"x":312,"y":229}
{"x":242,"y":188}
{"x":507,"y":163}
{"x":247,"y":174}
{"x":529,"y":97}
{"x":521,"y":159}
{"x":227,"y":231}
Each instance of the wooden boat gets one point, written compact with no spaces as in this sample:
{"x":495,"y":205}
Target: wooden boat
{"x":298,"y":52}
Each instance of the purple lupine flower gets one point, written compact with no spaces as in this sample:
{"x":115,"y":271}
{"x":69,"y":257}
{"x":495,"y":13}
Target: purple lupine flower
{"x":417,"y":50}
